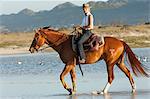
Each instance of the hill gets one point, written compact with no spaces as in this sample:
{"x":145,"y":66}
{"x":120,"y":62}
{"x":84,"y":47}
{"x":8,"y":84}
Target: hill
{"x":68,"y":14}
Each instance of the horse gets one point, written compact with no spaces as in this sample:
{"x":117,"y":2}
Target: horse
{"x":113,"y":52}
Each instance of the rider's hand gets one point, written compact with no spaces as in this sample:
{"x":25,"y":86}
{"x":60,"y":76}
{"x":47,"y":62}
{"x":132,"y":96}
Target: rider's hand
{"x":77,"y":27}
{"x":80,"y":27}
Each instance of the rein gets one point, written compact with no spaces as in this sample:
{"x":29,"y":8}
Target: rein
{"x":57,"y":42}
{"x":49,"y":45}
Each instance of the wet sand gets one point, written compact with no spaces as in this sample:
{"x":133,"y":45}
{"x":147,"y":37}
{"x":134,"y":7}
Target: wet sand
{"x":20,"y":50}
{"x":12,"y":50}
{"x":49,"y":87}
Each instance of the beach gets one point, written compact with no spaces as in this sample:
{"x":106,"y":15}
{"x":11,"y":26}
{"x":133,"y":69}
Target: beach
{"x":36,"y":76}
{"x":118,"y":26}
{"x":136,"y":36}
{"x":12,"y":51}
{"x":47,"y":87}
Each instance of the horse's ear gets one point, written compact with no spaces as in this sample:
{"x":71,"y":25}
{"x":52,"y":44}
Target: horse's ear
{"x":35,"y":30}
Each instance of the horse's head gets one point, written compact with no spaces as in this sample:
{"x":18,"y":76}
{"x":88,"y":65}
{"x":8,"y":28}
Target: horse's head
{"x":38,"y":41}
{"x":48,"y":36}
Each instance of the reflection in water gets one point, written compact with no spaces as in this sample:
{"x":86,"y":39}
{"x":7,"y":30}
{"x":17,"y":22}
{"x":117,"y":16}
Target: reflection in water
{"x":110,"y":96}
{"x":72,"y":97}
{"x":105,"y":96}
{"x":133,"y":96}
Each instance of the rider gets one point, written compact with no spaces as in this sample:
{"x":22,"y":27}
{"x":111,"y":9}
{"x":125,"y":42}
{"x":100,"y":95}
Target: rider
{"x":87,"y":26}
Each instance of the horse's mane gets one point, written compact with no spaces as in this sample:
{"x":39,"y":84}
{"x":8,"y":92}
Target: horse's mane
{"x":49,"y":28}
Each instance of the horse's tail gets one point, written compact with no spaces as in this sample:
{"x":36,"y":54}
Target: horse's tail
{"x":135,"y":64}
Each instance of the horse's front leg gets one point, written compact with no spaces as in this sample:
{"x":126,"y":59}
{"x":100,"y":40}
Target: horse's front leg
{"x":73,"y":78}
{"x":66,"y":70}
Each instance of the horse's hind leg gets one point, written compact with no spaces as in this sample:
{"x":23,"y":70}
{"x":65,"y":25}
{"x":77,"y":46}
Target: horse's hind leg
{"x":123,"y":67}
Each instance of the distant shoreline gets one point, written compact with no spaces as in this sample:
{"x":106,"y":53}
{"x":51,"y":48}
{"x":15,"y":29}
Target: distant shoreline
{"x":21,"y":50}
{"x":11,"y":51}
{"x":136,"y":36}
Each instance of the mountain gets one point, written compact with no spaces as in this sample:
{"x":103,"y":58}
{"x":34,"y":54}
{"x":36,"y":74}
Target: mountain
{"x":27,"y":12}
{"x":67,"y":14}
{"x":108,"y":4}
{"x":64,"y":5}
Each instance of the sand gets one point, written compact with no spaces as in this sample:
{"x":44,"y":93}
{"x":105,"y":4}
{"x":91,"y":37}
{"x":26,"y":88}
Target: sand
{"x":49,"y":87}
{"x":11,"y":50}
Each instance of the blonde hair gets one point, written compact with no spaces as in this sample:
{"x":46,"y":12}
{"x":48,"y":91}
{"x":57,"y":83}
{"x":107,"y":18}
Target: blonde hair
{"x":85,"y":5}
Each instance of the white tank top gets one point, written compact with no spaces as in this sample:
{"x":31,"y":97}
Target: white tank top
{"x":85,"y":20}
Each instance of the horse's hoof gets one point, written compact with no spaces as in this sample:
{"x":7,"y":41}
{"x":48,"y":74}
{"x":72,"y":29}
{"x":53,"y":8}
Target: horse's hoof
{"x":71,"y":92}
{"x":95,"y":92}
{"x":133,"y":91}
{"x":98,"y":92}
{"x":101,"y":92}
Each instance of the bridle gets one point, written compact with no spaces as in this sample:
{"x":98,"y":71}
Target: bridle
{"x":56,"y":43}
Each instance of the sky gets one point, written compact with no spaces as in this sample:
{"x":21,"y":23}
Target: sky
{"x":14,"y":6}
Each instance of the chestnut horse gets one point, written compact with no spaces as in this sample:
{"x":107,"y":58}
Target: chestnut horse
{"x":112,"y":52}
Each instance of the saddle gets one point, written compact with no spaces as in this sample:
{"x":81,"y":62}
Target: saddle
{"x":92,"y":44}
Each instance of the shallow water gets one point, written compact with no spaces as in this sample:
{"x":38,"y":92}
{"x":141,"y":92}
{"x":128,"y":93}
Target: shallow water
{"x":36,"y":76}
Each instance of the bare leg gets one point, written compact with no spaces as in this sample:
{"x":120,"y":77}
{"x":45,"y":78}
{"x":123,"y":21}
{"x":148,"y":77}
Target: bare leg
{"x":73,"y":78}
{"x":123,"y":67}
